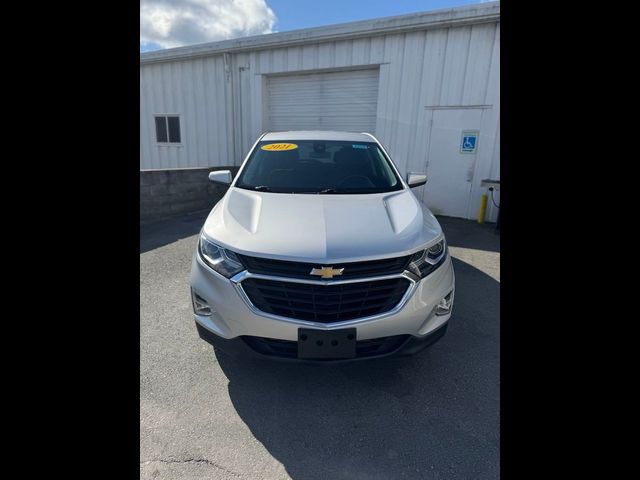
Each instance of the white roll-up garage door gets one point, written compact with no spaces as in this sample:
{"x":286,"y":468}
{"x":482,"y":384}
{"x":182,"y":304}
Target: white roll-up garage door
{"x":324,"y":101}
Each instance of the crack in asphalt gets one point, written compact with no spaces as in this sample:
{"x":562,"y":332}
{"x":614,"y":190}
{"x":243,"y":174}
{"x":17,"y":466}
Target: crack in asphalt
{"x":192,"y":460}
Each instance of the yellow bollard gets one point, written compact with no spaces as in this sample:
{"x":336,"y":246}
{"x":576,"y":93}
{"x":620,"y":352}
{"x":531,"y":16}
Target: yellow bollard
{"x":483,"y":207}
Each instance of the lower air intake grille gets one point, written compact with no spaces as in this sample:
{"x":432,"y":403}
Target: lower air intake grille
{"x":288,"y":349}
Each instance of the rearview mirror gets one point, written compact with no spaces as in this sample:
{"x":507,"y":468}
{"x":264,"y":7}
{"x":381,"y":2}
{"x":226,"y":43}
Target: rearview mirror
{"x":223,"y":177}
{"x":416,"y":179}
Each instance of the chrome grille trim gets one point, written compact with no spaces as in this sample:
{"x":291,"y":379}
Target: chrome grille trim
{"x":238,"y":278}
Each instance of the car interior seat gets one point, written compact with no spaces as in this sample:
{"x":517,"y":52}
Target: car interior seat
{"x":279,"y":166}
{"x":355,"y":168}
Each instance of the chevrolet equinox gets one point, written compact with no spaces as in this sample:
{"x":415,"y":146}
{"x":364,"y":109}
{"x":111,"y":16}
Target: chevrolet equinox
{"x":319,"y":251}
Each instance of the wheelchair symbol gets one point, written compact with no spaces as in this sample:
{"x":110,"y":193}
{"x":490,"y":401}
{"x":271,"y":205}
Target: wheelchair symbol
{"x":469,"y":142}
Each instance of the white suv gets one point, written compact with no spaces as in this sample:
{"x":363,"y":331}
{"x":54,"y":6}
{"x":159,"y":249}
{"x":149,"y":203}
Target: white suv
{"x":319,"y":251}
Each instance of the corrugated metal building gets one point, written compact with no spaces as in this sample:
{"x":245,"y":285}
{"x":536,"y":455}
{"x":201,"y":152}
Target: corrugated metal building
{"x":426,"y":85}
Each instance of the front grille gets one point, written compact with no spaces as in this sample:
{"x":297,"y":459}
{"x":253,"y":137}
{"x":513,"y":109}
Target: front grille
{"x":325,"y":303}
{"x":289,"y":349}
{"x":266,"y":266}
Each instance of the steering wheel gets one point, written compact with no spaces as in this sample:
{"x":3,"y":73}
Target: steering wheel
{"x":365,"y":180}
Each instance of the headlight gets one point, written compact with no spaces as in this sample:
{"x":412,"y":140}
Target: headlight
{"x":426,"y":261}
{"x":223,"y":261}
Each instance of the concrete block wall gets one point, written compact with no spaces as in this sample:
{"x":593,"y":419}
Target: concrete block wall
{"x":167,"y":193}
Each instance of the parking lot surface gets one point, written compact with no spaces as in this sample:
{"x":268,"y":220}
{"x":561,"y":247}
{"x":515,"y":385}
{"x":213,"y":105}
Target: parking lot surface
{"x":203,"y":415}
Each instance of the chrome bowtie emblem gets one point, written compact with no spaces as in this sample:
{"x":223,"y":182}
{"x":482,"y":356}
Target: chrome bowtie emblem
{"x":326,"y":272}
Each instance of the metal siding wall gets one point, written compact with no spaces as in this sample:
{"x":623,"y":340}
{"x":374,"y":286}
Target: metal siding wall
{"x":326,"y":55}
{"x":493,"y":97}
{"x":492,"y":212}
{"x":430,"y":91}
{"x":478,"y":60}
{"x":199,"y":127}
{"x":433,"y":71}
{"x":243,"y":100}
{"x":435,"y":67}
{"x":407,"y":107}
{"x":455,"y":66}
{"x":197,"y":91}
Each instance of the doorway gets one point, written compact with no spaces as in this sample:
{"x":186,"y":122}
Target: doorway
{"x":454,"y":135}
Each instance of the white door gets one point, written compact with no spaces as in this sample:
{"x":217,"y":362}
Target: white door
{"x":451,"y":161}
{"x":346,"y":100}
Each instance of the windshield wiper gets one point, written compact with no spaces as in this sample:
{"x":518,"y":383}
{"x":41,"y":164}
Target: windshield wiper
{"x":317,"y":192}
{"x":262,"y":188}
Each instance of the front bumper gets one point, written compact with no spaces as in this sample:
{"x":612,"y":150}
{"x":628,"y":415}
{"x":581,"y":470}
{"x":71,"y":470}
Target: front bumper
{"x":232,"y":317}
{"x":244,"y":347}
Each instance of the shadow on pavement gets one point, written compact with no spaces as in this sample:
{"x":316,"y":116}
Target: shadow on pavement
{"x":469,"y":234}
{"x":435,"y":415}
{"x":164,"y":232}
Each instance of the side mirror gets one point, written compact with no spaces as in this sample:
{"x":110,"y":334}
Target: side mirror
{"x":416,"y":179}
{"x":223,"y":177}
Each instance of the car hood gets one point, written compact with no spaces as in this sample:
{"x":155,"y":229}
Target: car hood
{"x":329,"y":228}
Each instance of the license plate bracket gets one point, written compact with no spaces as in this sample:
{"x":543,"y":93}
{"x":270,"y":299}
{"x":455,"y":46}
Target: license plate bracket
{"x":326,"y":344}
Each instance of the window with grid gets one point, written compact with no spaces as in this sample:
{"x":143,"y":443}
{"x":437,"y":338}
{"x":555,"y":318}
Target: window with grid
{"x":167,"y":128}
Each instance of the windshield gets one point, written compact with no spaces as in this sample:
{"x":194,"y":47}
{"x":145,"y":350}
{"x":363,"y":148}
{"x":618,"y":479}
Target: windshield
{"x":312,"y":166}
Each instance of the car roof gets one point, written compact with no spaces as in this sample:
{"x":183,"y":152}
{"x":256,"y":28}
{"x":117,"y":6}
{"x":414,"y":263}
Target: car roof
{"x":317,"y":135}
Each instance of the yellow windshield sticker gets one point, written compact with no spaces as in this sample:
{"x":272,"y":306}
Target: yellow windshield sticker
{"x":279,"y":147}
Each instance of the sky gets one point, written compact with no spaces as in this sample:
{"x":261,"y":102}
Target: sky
{"x":176,"y":23}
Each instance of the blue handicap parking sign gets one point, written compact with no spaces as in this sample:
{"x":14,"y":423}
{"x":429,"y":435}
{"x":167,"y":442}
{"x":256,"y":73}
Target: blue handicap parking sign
{"x":469,"y":142}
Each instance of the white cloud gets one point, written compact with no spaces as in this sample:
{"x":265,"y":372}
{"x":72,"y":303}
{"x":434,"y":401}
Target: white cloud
{"x":174,"y":23}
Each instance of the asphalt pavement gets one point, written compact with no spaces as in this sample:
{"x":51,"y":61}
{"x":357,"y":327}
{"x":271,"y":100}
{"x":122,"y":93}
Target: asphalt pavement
{"x":203,"y":415}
